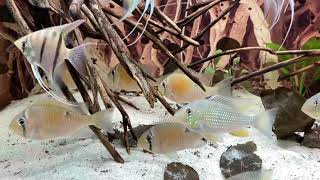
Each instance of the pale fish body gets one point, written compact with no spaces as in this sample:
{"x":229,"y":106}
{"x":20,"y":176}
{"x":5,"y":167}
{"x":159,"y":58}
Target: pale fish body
{"x":312,"y":107}
{"x":118,"y":79}
{"x":220,"y":115}
{"x":179,"y":88}
{"x":46,"y":49}
{"x":49,"y":119}
{"x":167,"y":138}
{"x":253,"y":175}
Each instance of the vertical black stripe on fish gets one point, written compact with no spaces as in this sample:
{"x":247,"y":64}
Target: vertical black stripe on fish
{"x":42,"y":48}
{"x":149,"y":140}
{"x":57,"y":53}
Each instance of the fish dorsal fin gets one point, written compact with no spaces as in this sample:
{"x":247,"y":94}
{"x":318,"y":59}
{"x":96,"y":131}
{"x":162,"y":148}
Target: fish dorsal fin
{"x":67,"y":28}
{"x":51,"y":102}
{"x":222,"y":88}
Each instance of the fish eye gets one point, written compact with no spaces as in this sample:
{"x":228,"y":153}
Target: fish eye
{"x":149,"y":138}
{"x":164,"y":84}
{"x":113,"y":72}
{"x":189,"y":111}
{"x":21,"y":121}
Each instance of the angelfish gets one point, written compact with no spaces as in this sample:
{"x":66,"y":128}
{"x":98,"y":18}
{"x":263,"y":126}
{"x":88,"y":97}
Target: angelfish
{"x":49,"y":119}
{"x":166,"y":138}
{"x":179,"y":88}
{"x":312,"y":106}
{"x":46,"y":49}
{"x":220,"y":114}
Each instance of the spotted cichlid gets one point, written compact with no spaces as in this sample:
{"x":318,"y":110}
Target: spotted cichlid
{"x":312,"y":106}
{"x":167,"y":138}
{"x":220,"y":114}
{"x":179,"y":88}
{"x":48,"y":119}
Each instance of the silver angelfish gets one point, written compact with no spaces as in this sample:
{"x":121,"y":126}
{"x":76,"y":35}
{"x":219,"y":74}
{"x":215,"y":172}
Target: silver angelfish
{"x":46,"y":49}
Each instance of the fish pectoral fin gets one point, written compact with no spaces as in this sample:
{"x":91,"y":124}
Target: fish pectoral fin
{"x":215,"y":138}
{"x":240,"y":133}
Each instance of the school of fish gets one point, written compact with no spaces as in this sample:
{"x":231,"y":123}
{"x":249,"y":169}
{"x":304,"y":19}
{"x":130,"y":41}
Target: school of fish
{"x":203,"y":116}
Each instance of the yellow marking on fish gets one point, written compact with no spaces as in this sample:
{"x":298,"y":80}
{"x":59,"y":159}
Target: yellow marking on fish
{"x":240,"y":133}
{"x":180,"y":84}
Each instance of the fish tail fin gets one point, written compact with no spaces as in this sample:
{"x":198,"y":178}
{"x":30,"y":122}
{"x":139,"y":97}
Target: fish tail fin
{"x":265,"y":120}
{"x":103,"y":120}
{"x":222,"y":88}
{"x":151,"y":4}
{"x":79,"y":55}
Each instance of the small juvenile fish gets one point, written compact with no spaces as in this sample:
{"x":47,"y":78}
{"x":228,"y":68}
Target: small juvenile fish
{"x":219,"y":115}
{"x":48,"y":119}
{"x":179,"y":88}
{"x":312,"y":106}
{"x":253,"y":175}
{"x":167,"y":138}
{"x":46,"y":49}
{"x":118,"y":79}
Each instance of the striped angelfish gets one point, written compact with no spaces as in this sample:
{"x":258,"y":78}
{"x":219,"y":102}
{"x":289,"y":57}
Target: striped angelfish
{"x":46,"y":49}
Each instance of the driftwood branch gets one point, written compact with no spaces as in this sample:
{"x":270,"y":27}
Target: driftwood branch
{"x":24,"y":28}
{"x":121,"y":51}
{"x":268,"y":69}
{"x":162,"y":47}
{"x":312,"y":52}
{"x":312,"y":66}
{"x":102,"y":137}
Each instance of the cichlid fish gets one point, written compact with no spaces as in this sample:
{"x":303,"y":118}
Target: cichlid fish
{"x":312,"y":107}
{"x":179,"y":88}
{"x":221,"y":114}
{"x":167,"y":138}
{"x":46,"y":49}
{"x":253,"y":175}
{"x":48,"y":119}
{"x":274,"y":8}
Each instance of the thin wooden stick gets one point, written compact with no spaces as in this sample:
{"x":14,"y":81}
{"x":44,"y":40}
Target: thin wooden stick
{"x":313,"y":52}
{"x":85,"y":96}
{"x":22,"y":25}
{"x":156,"y":41}
{"x":121,"y":51}
{"x":316,"y":64}
{"x":204,"y":30}
{"x":268,"y":69}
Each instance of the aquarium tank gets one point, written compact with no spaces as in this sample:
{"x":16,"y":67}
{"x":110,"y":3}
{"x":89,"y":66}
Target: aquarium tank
{"x":160,"y":89}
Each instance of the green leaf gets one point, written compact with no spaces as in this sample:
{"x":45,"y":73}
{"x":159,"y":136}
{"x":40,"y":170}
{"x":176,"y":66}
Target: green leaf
{"x":313,"y":43}
{"x":209,"y":70}
{"x":276,"y":47}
